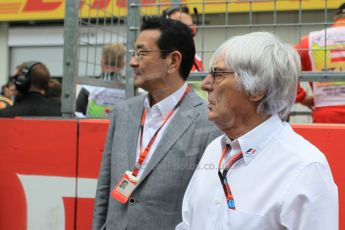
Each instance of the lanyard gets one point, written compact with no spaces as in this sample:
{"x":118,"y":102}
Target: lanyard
{"x":222,"y":176}
{"x":144,"y":153}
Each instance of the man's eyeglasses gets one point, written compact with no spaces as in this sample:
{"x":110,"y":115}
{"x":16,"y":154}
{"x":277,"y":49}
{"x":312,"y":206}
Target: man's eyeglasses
{"x":218,"y":75}
{"x":139,"y":54}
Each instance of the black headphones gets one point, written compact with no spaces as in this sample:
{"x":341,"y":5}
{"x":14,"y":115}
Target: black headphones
{"x":23,"y":80}
{"x":169,"y":11}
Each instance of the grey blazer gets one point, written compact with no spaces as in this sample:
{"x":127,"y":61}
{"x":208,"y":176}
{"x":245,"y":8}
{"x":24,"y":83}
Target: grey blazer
{"x":157,"y":200}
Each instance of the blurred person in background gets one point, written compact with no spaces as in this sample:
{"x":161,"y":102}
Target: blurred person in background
{"x":181,"y":13}
{"x":7,"y":96}
{"x":98,"y":102}
{"x":325,"y":53}
{"x":31,"y":80}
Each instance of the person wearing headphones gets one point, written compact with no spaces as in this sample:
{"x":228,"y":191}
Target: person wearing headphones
{"x":31,"y":80}
{"x":181,"y":13}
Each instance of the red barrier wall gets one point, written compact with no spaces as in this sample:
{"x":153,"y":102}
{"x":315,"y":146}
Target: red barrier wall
{"x":330,"y":140}
{"x":92,"y":135}
{"x":49,"y":169}
{"x":37,"y":150}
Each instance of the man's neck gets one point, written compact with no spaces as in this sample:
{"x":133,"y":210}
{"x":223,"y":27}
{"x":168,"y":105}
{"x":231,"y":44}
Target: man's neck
{"x":240,"y":128}
{"x":160,"y":94}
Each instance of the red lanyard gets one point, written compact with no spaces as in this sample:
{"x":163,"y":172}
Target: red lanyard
{"x":144,"y":153}
{"x":222,"y":176}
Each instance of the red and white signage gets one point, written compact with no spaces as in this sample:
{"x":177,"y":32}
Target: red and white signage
{"x":49,"y":170}
{"x":337,"y":55}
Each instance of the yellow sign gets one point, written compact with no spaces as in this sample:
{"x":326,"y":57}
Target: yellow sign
{"x":22,"y":10}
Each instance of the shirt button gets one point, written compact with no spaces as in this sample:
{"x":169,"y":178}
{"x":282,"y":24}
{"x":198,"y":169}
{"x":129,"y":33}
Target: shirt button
{"x":217,"y":202}
{"x":132,"y":200}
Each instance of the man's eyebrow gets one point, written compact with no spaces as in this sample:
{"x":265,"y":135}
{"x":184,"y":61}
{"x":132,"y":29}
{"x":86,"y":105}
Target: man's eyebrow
{"x":139,"y":46}
{"x":216,"y":68}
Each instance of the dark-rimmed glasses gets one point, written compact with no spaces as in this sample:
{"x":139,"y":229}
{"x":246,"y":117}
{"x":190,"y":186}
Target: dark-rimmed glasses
{"x":218,"y":74}
{"x":138,"y":54}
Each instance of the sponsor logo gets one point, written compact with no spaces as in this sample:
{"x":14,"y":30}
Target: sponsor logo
{"x":250,"y":151}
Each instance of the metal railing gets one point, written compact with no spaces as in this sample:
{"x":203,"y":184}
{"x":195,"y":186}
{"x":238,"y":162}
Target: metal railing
{"x":86,"y":29}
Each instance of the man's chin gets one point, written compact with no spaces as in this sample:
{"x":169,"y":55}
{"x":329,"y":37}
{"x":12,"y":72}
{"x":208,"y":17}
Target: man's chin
{"x":137,"y":82}
{"x":223,"y":125}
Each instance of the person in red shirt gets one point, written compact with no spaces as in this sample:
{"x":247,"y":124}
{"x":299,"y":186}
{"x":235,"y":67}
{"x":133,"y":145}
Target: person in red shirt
{"x":325,"y":54}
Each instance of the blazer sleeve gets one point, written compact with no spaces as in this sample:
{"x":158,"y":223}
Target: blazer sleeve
{"x":103,"y":184}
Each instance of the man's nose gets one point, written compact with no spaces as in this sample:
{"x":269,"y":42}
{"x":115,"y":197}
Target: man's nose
{"x":134,"y":62}
{"x":206,"y":84}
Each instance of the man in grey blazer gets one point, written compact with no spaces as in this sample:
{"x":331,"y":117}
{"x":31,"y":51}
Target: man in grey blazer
{"x":154,"y":141}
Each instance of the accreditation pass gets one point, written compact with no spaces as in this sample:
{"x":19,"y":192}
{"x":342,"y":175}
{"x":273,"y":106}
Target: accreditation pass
{"x":124,"y":188}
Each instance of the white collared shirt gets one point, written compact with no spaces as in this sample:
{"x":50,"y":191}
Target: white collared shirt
{"x":282,"y":182}
{"x":155,"y":117}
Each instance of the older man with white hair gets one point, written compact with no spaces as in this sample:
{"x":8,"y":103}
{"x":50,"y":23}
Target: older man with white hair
{"x":260,"y":174}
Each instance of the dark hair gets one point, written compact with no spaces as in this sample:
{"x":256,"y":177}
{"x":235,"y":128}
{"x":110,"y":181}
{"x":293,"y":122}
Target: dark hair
{"x":174,"y":36}
{"x":54,"y":88}
{"x":340,"y":9}
{"x":2,"y":93}
{"x":39,"y":75}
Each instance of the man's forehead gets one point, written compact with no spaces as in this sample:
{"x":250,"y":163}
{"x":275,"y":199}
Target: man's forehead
{"x":147,"y":38}
{"x":218,"y":61}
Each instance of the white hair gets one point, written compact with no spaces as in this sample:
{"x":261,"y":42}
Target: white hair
{"x":263,"y":64}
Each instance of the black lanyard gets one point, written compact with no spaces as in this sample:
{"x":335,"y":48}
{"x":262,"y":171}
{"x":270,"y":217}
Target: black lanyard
{"x":222,"y":176}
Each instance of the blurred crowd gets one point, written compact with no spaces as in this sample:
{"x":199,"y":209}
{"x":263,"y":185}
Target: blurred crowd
{"x":31,"y":92}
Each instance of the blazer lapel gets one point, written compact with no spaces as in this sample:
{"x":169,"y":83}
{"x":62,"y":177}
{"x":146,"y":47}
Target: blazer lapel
{"x":180,"y":123}
{"x":135,"y":112}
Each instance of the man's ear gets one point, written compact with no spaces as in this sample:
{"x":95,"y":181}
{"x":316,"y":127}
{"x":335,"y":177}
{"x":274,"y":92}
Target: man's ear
{"x":174,"y":59}
{"x":257,"y":97}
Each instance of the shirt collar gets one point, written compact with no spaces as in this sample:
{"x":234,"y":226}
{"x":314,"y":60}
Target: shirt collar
{"x":167,"y":104}
{"x":252,"y":143}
